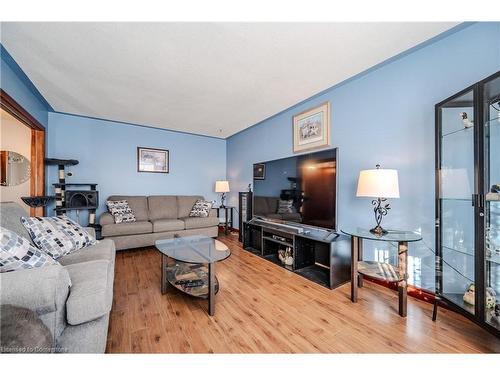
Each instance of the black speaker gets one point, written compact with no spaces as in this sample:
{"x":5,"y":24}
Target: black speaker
{"x":245,"y":211}
{"x":81,"y":198}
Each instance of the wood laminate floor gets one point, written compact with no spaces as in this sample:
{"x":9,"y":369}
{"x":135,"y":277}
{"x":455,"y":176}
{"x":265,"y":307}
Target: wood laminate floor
{"x":262,"y":308}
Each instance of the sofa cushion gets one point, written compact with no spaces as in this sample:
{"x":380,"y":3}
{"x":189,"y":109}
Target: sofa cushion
{"x":200,"y":222}
{"x":58,"y":235}
{"x":43,"y":290}
{"x":138,"y":204}
{"x":286,"y":206}
{"x":106,"y":218}
{"x":139,"y":227}
{"x":23,"y":331}
{"x":10,"y":218}
{"x":121,"y":211}
{"x":162,"y":207}
{"x":90,"y":296}
{"x":201,"y":208}
{"x":18,"y":253}
{"x":103,"y":250}
{"x":185,"y":203}
{"x":165,"y":225}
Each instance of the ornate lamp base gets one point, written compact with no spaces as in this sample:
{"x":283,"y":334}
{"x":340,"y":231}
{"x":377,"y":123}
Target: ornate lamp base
{"x":380,"y":210}
{"x":222,"y":200}
{"x":378,"y":230}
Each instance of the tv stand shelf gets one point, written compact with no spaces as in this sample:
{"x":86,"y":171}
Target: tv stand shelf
{"x":318,"y":255}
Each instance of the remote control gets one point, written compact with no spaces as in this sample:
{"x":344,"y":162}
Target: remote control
{"x":189,"y":283}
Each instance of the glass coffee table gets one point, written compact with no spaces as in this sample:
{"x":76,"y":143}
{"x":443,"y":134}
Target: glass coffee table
{"x":188,"y":264}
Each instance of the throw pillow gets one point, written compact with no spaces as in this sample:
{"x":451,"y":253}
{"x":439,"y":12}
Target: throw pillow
{"x":286,"y":207}
{"x":17,"y":253}
{"x":57,"y":236}
{"x":121,"y":211}
{"x":201,"y":208}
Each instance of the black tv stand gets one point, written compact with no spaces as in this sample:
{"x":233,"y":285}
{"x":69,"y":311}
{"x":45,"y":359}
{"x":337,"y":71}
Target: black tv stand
{"x":319,"y":255}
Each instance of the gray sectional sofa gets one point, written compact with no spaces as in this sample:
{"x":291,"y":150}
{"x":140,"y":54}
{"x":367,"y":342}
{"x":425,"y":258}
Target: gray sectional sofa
{"x":73,"y":299}
{"x":158,"y":217}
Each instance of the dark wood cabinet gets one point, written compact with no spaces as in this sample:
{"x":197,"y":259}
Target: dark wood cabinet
{"x":319,"y":255}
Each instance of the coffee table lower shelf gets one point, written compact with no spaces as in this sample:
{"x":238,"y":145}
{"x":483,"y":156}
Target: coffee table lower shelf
{"x":181,"y":271}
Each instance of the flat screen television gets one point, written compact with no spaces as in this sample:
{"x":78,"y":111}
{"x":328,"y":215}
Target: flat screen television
{"x":298,"y":189}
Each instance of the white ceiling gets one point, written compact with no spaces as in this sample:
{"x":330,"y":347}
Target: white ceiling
{"x":205,"y":78}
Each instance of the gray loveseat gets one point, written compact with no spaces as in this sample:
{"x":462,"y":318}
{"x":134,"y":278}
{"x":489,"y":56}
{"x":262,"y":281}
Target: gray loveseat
{"x":158,"y":217}
{"x":73,"y":299}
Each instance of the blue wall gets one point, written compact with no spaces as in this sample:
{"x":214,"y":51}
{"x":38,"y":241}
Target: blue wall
{"x":107,"y":152}
{"x":385,"y":116}
{"x":15,"y":82}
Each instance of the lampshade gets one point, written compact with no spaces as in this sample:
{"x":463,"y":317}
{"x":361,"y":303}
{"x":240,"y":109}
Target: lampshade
{"x":378,"y":183}
{"x":222,"y":186}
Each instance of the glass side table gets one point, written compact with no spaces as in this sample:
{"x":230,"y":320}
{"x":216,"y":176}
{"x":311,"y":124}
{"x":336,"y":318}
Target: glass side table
{"x":228,"y":217}
{"x":380,"y":270}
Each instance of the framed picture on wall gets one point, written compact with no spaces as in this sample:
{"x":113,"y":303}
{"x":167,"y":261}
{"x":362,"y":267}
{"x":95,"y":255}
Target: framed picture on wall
{"x":311,"y":128}
{"x":259,"y":171}
{"x":152,"y":160}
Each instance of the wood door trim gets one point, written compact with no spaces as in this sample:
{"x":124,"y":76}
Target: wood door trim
{"x":37,"y":179}
{"x":8,"y":104}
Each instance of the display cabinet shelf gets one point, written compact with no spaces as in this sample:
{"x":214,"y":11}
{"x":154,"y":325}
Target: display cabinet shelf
{"x":494,"y":258}
{"x":457,"y":132}
{"x":491,"y":197}
{"x":463,"y":252}
{"x":458,"y":299}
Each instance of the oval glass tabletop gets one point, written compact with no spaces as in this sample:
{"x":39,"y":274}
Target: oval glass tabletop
{"x":194,"y":249}
{"x":391,"y":235}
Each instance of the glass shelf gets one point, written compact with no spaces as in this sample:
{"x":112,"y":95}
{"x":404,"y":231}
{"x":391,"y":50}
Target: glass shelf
{"x":458,"y":299}
{"x":455,"y":132}
{"x":392,"y":235}
{"x":464,"y":252}
{"x":492,"y":319}
{"x":492,"y":197}
{"x":494,"y":120}
{"x":380,"y":271}
{"x":494,"y":258}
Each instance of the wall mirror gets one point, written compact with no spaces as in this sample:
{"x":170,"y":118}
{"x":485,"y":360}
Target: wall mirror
{"x":15,"y":168}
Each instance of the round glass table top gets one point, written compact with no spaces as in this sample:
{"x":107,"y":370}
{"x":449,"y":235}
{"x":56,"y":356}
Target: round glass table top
{"x":390,"y":236}
{"x":194,"y":249}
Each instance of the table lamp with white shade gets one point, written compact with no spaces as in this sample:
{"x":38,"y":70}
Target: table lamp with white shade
{"x":380,"y":184}
{"x":222,"y":187}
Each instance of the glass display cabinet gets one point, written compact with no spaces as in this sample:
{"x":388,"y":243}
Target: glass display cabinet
{"x":468,"y":203}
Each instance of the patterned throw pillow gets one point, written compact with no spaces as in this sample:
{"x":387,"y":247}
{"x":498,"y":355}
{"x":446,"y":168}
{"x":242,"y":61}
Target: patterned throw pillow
{"x":201,"y":208}
{"x":57,"y":236}
{"x":17,"y":253}
{"x":121,"y":211}
{"x":286,"y":207}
